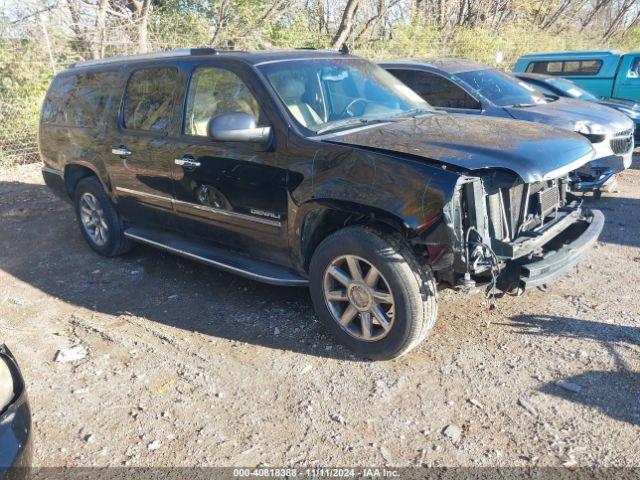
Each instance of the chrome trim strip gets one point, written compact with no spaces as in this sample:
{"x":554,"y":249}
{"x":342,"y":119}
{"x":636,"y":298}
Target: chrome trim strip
{"x":227,"y":213}
{"x":224,"y":266}
{"x":54,"y":171}
{"x":205,"y":208}
{"x":354,"y":129}
{"x":138,"y":193}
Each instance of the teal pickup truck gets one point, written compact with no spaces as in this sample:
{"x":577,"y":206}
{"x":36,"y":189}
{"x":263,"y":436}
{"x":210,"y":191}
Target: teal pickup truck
{"x":604,"y":73}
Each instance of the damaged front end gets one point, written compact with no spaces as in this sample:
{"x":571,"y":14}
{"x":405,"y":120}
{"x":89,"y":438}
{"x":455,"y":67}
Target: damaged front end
{"x":514,"y":235}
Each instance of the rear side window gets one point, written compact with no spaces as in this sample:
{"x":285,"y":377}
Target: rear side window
{"x":569,"y":67}
{"x":79,"y":100}
{"x":213,"y":91}
{"x":149,"y":99}
{"x":436,"y":90}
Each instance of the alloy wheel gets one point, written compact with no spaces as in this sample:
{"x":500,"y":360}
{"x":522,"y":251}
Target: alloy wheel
{"x":359,"y":298}
{"x":93,"y":219}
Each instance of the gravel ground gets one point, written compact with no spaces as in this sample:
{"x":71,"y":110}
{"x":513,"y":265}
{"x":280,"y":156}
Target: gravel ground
{"x":187,"y":365}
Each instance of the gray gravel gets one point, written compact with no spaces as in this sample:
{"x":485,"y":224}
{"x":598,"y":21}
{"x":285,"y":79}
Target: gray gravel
{"x":187,"y":365}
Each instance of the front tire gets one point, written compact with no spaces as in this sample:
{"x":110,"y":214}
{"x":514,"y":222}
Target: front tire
{"x":100,"y":224}
{"x":370,"y":292}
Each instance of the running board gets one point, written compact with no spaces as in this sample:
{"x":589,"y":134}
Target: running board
{"x":218,"y":257}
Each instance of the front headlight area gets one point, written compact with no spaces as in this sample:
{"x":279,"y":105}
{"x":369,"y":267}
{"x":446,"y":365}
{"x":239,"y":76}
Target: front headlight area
{"x":493,"y":215}
{"x":469,"y":213}
{"x":8,"y":384}
{"x":634,"y":114}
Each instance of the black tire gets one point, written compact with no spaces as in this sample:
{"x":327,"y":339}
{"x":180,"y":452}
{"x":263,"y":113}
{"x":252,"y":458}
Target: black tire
{"x":412,"y":286}
{"x":116,"y":243}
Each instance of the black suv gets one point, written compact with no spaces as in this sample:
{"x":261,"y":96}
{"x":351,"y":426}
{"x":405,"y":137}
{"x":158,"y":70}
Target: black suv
{"x":307,"y":167}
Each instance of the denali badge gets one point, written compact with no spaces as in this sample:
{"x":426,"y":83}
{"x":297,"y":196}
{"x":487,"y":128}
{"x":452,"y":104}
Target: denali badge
{"x":262,"y":213}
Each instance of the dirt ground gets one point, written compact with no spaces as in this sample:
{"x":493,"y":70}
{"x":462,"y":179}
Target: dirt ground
{"x":187,"y":365}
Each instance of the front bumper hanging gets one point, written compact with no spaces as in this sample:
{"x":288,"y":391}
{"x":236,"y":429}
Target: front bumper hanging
{"x":555,"y":262}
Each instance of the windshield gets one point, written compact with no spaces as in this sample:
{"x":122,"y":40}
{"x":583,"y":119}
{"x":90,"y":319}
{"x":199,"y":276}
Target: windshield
{"x":570,"y":88}
{"x":328,"y":94}
{"x":501,"y":88}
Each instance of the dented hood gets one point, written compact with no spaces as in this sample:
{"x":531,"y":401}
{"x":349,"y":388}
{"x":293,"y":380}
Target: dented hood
{"x":532,"y":151}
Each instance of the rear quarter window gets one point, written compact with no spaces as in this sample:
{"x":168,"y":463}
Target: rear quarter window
{"x":80,"y":100}
{"x":149,"y":99}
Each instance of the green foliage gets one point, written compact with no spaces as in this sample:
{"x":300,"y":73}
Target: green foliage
{"x":22,"y":72}
{"x":631,"y":41}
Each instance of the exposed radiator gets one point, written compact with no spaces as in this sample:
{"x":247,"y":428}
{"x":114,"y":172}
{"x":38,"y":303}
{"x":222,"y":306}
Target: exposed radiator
{"x":505,"y":208}
{"x":548,"y":200}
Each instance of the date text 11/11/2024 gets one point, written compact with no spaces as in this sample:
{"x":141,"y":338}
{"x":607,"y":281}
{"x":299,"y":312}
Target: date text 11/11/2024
{"x":316,"y":473}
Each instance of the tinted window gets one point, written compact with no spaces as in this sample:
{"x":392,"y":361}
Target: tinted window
{"x":149,"y":99}
{"x":569,"y":67}
{"x":79,"y":100}
{"x":501,"y":88}
{"x":437,"y":90}
{"x":213,"y":91}
{"x":589,"y":67}
{"x":554,"y":67}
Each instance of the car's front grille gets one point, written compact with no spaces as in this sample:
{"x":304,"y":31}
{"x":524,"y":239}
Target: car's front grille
{"x":622,"y":142}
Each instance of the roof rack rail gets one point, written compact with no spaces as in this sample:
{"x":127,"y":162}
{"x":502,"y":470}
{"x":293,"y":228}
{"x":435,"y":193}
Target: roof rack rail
{"x":146,"y":56}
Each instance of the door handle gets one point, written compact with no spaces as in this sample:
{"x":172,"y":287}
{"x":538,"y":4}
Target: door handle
{"x":121,"y":151}
{"x":186,"y":162}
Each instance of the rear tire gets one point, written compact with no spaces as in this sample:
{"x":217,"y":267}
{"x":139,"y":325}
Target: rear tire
{"x":370,"y":292}
{"x":100,"y":223}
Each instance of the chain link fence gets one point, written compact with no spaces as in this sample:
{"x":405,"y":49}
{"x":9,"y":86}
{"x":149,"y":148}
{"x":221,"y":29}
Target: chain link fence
{"x":18,"y":131}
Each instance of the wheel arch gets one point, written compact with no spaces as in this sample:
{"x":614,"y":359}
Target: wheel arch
{"x":320,"y":218}
{"x":74,"y":172}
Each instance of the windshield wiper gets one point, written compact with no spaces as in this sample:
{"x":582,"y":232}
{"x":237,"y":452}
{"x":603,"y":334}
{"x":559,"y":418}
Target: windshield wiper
{"x":351,"y":121}
{"x":414,"y":112}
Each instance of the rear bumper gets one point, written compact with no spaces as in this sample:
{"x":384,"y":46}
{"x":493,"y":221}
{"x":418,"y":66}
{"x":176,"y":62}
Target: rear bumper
{"x":560,"y":254}
{"x":54,"y":179}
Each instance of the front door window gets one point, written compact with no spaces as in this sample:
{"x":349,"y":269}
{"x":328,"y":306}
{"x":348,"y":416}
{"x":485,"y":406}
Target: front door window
{"x":634,"y":70}
{"x":213,"y":91}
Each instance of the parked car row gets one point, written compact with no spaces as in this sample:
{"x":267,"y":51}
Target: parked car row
{"x":553,"y":86}
{"x":608,"y":77}
{"x":461,"y":86}
{"x":604,"y":73}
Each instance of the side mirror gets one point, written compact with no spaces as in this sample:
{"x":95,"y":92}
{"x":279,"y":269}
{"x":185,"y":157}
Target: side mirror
{"x":237,"y":127}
